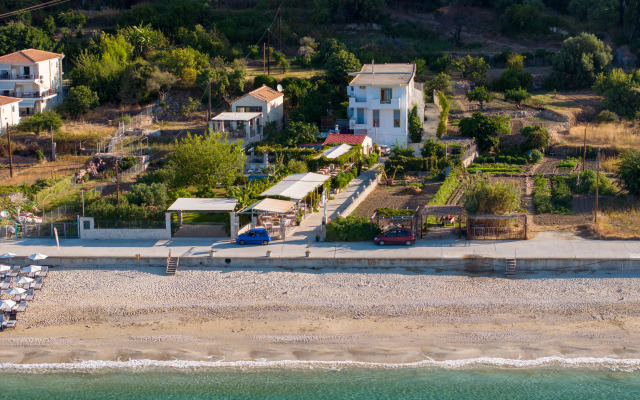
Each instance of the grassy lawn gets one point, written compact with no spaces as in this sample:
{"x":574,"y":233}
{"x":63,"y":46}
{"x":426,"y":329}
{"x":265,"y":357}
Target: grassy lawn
{"x":201,"y":217}
{"x":294,"y":72}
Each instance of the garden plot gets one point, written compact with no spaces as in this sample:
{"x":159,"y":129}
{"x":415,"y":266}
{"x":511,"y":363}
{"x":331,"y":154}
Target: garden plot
{"x":396,"y":196}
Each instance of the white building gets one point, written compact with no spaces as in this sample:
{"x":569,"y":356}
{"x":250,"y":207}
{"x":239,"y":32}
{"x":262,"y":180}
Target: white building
{"x":380,"y":98}
{"x":264,"y":100}
{"x":33,"y":76}
{"x":9,"y":113}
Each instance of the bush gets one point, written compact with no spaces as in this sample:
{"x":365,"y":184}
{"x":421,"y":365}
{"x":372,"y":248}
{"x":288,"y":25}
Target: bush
{"x":394,"y":212}
{"x":446,"y":189}
{"x":444,"y":114}
{"x":561,"y":197}
{"x":629,"y":171}
{"x":569,"y":163}
{"x":154,"y":194}
{"x":432,"y":148}
{"x":403,"y":150}
{"x":585,"y":182}
{"x":606,"y":116}
{"x":127,"y":162}
{"x":537,"y":137}
{"x":536,"y":156}
{"x":485,"y":197}
{"x":39,"y":155}
{"x":541,"y":195}
{"x":351,"y":229}
{"x":372,"y":159}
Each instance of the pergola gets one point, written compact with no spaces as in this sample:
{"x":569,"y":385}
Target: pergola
{"x":441,"y":211}
{"x":297,"y":187}
{"x":238,"y":124}
{"x":203,"y":205}
{"x":277,"y":216}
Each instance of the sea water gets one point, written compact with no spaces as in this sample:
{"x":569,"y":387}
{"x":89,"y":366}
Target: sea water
{"x":609,"y":379}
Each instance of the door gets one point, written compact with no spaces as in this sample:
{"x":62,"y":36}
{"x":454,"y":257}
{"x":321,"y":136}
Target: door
{"x":27,"y":71}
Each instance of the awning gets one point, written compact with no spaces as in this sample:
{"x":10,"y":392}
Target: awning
{"x":336,"y":151}
{"x":203,"y":205}
{"x":237,"y":116}
{"x":272,"y":206}
{"x":297,"y":186}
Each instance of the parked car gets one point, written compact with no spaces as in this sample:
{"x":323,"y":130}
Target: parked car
{"x":254,"y":236}
{"x":396,"y":236}
{"x":28,"y":218}
{"x":385,"y":151}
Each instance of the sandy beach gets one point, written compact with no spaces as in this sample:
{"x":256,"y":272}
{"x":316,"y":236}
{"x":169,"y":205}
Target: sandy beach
{"x":371,"y":315}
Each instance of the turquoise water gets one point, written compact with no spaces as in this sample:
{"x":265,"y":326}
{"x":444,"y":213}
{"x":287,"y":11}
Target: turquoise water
{"x":324,"y":383}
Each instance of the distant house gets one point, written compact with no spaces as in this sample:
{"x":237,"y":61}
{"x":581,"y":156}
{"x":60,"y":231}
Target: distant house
{"x":33,"y":76}
{"x":9,"y":114}
{"x":250,"y":113}
{"x":362,"y":140}
{"x":380,"y":98}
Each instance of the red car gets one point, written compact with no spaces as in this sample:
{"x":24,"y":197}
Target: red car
{"x":396,"y":236}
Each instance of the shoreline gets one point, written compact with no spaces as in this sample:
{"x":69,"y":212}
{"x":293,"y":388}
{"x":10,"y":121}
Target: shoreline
{"x":369,"y":316}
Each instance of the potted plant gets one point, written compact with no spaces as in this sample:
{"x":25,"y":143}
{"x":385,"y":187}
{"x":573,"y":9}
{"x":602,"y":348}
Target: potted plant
{"x":268,"y":253}
{"x":212,"y":252}
{"x":317,"y":237}
{"x":307,"y":253}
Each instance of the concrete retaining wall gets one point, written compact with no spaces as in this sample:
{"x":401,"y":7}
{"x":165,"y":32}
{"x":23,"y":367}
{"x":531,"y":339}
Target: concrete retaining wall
{"x":441,"y":265}
{"x":361,"y":197}
{"x":87,"y":230}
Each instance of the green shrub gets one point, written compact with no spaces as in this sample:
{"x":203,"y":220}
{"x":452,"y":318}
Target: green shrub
{"x":39,"y":155}
{"x":154,"y":194}
{"x":127,"y":162}
{"x":569,"y":163}
{"x":393,"y":212}
{"x":372,"y":159}
{"x":497,"y":168}
{"x":351,"y":229}
{"x":541,"y":195}
{"x":446,"y":189}
{"x":536,"y":156}
{"x":416,"y":184}
{"x":561,"y":197}
{"x":585,"y":182}
{"x":486,"y":197}
{"x":606,"y":116}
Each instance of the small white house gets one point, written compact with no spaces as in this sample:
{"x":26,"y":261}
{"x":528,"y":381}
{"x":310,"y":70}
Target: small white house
{"x":9,"y":113}
{"x":380,"y":98}
{"x":264,"y":100}
{"x":33,"y":76}
{"x":363,"y":140}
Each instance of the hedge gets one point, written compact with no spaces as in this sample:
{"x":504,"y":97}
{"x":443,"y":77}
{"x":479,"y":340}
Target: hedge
{"x":444,"y":114}
{"x":446,"y":189}
{"x":351,"y":229}
{"x":394,"y":212}
{"x":541,"y":195}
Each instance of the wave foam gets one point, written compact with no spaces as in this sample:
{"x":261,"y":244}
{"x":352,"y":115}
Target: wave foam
{"x":628,"y":365}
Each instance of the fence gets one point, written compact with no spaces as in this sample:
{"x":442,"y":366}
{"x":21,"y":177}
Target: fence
{"x":44,"y":230}
{"x":129,"y":224}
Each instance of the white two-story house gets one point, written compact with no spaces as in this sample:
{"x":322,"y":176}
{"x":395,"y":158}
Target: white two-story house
{"x":9,"y":113}
{"x":380,"y":98}
{"x":33,"y":76}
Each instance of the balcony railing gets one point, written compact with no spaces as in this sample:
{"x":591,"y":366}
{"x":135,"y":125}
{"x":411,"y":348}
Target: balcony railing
{"x":29,"y":95}
{"x":28,"y":77}
{"x":385,"y":101}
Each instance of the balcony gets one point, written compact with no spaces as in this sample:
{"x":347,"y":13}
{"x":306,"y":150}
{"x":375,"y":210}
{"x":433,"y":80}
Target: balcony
{"x":29,"y":95}
{"x":19,"y":77}
{"x":389,"y":104}
{"x":354,"y":123}
{"x":356,"y":102}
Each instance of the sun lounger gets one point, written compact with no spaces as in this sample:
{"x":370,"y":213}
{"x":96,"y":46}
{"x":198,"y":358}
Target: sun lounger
{"x":30,"y":295}
{"x":38,"y":283}
{"x":11,"y":323}
{"x":19,"y":297}
{"x":43,"y":272}
{"x":14,"y":272}
{"x":6,"y":284}
{"x":22,"y":306}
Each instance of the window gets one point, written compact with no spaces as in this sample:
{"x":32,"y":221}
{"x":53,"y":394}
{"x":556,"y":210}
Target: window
{"x":13,"y":108}
{"x":376,"y":118}
{"x":385,"y":96}
{"x":396,"y":118}
{"x":86,"y":224}
{"x":239,"y":109}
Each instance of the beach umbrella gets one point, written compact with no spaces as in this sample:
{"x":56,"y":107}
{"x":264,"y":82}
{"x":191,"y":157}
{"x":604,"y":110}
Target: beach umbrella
{"x":22,"y":280}
{"x":4,"y":268}
{"x":15,"y":290}
{"x":37,"y":256}
{"x":7,"y":305}
{"x":8,"y":255}
{"x":31,"y":269}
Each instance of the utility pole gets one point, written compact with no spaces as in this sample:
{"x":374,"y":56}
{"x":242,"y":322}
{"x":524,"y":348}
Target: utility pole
{"x":83,"y":202}
{"x":584,"y":154}
{"x":10,"y":155}
{"x":268,"y":52}
{"x":209,"y":111}
{"x":595,"y":217}
{"x":280,"y":25}
{"x":264,"y":58}
{"x":117,"y":184}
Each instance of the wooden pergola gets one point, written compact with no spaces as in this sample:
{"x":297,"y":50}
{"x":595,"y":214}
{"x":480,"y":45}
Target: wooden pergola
{"x":441,"y":211}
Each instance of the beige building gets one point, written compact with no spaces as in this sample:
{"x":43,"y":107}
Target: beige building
{"x":9,"y":113}
{"x":264,"y":100}
{"x":33,"y":76}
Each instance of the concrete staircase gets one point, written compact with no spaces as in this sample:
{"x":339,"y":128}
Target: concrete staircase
{"x":172,"y":264}
{"x":510,"y":270}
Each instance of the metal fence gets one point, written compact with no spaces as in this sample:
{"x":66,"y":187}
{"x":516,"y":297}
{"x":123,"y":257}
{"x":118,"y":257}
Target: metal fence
{"x":44,"y":230}
{"x":129,"y":224}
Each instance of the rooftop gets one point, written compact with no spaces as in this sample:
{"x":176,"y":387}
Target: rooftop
{"x":29,"y":56}
{"x":383,"y":74}
{"x":236,"y":116}
{"x":272,"y":205}
{"x":296,"y":186}
{"x":265,"y":93}
{"x":339,"y":138}
{"x":203,"y":205}
{"x":336,"y":151}
{"x":4,"y":100}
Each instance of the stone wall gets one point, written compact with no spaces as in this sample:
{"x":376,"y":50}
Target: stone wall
{"x":87,"y":230}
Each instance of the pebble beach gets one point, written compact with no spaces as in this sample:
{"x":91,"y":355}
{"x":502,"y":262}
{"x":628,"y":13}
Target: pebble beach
{"x":368,"y":315}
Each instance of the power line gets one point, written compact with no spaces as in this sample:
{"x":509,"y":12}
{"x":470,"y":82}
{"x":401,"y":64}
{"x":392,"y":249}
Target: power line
{"x":34,"y":8}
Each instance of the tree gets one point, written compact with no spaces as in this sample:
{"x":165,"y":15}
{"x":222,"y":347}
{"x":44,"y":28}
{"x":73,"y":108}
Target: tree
{"x":267,"y":80}
{"x":432,"y":148}
{"x":80,"y":100}
{"x":519,"y":19}
{"x":629,"y":171}
{"x":133,"y":84}
{"x":516,"y":95}
{"x":415,"y":125}
{"x":190,"y":106}
{"x":71,"y":18}
{"x":486,"y":130}
{"x":579,"y":61}
{"x":441,"y":82}
{"x":457,"y":16}
{"x":45,"y":121}
{"x":160,"y":82}
{"x":602,"y":14}
{"x":479,"y":94}
{"x":49,"y":25}
{"x":154,"y":194}
{"x":473,"y":68}
{"x":207,"y":160}
{"x":340,"y":64}
{"x":485,"y":197}
{"x":621,"y":92}
{"x":16,"y":36}
{"x":298,"y":133}
{"x":144,"y":39}
{"x":537,"y":137}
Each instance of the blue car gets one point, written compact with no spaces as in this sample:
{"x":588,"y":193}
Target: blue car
{"x":255,"y":236}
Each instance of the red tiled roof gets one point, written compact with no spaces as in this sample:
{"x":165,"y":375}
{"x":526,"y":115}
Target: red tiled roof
{"x":4,"y":100}
{"x":339,"y":138}
{"x":29,"y":56}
